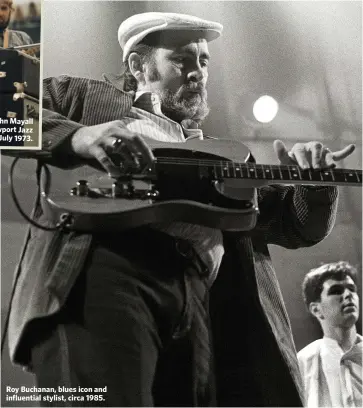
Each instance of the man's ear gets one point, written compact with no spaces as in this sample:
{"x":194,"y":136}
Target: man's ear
{"x":315,"y":310}
{"x":136,"y":67}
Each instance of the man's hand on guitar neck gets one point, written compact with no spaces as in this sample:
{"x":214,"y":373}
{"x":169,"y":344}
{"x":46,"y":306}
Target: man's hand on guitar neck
{"x":99,"y":141}
{"x":311,"y":155}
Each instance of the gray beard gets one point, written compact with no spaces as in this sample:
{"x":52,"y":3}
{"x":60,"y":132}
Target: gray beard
{"x":178,"y":107}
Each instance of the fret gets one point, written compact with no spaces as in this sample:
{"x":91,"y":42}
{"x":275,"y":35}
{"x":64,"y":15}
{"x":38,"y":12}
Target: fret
{"x":276,"y":173}
{"x":230,"y":169}
{"x":221,"y":169}
{"x":359,"y":176}
{"x":316,"y":175}
{"x":285,"y":173}
{"x":268,"y":172}
{"x":259,"y":172}
{"x":294,"y":173}
{"x":234,"y":169}
{"x":339,"y":175}
{"x":272,"y":172}
{"x":262,"y":167}
{"x":351,"y":176}
{"x":327,"y":175}
{"x":214,"y":175}
{"x":238,"y":171}
{"x":244,"y":171}
{"x":252,"y":172}
{"x":306,"y":175}
{"x":281,"y":176}
{"x":332,"y":174}
{"x":225,"y":170}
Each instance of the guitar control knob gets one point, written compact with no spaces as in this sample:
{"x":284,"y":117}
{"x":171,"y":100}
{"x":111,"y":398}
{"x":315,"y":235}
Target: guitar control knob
{"x":118,"y":189}
{"x":152,"y":194}
{"x":82,"y":188}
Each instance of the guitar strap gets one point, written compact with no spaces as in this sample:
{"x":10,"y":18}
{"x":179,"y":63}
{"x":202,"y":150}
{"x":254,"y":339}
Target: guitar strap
{"x":6,"y":38}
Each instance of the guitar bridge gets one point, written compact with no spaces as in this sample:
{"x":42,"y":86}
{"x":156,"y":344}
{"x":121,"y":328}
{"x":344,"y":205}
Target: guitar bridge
{"x":134,"y":189}
{"x":131,"y":189}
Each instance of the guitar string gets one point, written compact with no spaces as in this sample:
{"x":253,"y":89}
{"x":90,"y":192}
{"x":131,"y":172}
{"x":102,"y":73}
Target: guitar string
{"x":230,"y":164}
{"x":171,"y":160}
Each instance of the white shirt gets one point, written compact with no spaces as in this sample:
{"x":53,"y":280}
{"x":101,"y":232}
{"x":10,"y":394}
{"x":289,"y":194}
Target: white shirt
{"x":146,"y":119}
{"x":332,"y":377}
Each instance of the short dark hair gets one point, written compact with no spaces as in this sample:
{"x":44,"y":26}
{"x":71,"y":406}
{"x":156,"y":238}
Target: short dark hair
{"x":312,"y":285}
{"x":146,"y":52}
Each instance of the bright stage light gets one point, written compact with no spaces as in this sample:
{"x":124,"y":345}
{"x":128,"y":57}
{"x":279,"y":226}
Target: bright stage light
{"x":265,"y":109}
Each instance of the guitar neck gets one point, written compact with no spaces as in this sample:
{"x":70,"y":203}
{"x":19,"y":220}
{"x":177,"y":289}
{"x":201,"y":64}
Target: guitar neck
{"x":288,"y":174}
{"x":269,"y":174}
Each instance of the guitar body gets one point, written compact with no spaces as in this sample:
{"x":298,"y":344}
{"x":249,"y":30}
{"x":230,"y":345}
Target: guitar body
{"x":180,"y":188}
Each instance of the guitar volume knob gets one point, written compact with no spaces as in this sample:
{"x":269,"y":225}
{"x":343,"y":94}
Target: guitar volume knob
{"x":119,"y":189}
{"x":82,"y":188}
{"x":152,"y":194}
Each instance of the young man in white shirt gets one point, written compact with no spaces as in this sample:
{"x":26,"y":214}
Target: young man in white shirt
{"x":332,"y":366}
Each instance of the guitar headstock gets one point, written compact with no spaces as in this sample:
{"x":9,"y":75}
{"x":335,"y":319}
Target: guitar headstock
{"x":31,"y":51}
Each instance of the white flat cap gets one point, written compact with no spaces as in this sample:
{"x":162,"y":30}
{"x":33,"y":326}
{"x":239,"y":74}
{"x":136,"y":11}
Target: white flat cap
{"x":137,"y":27}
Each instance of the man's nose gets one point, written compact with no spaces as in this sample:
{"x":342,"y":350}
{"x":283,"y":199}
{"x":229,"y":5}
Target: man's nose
{"x":347,"y":293}
{"x":196,"y":74}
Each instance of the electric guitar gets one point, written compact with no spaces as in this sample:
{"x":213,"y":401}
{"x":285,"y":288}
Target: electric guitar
{"x":210,"y":182}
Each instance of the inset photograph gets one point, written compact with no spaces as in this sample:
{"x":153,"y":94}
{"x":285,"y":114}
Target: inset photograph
{"x":20,"y":24}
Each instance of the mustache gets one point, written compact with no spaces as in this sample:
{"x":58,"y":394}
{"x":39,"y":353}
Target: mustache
{"x":194,"y":87}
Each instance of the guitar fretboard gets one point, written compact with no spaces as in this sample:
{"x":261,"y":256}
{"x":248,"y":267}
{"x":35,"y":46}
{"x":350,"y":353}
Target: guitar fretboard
{"x":271,"y":173}
{"x":287,"y":173}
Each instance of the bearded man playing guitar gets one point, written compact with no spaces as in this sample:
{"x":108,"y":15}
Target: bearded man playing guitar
{"x":10,"y":38}
{"x":128,"y":310}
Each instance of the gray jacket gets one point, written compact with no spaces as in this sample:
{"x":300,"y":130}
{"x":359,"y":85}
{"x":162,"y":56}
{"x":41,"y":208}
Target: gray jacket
{"x":17,"y":38}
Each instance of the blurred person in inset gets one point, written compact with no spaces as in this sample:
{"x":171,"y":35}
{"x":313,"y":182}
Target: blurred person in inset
{"x":10,"y":38}
{"x":33,"y":13}
{"x":18,"y":19}
{"x":332,"y":366}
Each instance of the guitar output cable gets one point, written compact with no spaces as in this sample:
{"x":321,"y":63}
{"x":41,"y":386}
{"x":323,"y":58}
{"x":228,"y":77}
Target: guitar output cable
{"x":62,"y":224}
